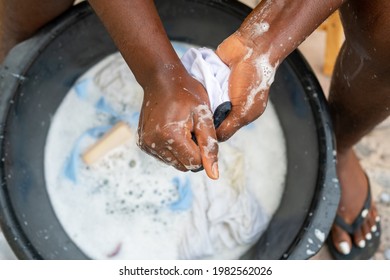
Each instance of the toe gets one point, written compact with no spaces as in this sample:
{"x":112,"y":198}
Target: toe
{"x":359,"y":239}
{"x":375,"y":218}
{"x":341,"y":239}
{"x":372,"y":223}
{"x":366,"y":229}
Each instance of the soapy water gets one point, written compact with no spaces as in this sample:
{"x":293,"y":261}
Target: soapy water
{"x":129,"y":205}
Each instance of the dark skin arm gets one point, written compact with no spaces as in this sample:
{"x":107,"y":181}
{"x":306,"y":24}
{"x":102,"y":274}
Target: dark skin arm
{"x":267,"y":36}
{"x":175,"y":105}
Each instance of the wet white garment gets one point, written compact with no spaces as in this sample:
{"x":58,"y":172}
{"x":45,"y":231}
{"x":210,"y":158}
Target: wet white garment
{"x":225,"y":213}
{"x":205,"y":66}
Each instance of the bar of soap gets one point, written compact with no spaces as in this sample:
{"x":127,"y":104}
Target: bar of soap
{"x":116,"y":136}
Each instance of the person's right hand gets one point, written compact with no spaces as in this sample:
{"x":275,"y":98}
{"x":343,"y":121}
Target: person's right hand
{"x":175,"y":106}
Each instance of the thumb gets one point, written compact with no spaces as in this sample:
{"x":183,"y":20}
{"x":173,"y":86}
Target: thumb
{"x":233,"y":122}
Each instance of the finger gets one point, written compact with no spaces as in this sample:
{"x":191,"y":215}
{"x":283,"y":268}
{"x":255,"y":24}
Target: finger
{"x":244,"y":111}
{"x":206,"y":137}
{"x":162,"y":152}
{"x":241,"y":116}
{"x":169,"y":158}
{"x":230,"y":125}
{"x":175,"y":138}
{"x":186,"y":151}
{"x":164,"y":155}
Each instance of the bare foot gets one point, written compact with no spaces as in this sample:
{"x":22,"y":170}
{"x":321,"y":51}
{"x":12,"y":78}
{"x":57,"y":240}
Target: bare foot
{"x":354,"y":188}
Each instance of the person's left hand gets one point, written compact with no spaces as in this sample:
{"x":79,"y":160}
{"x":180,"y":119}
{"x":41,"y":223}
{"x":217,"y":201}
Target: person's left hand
{"x":250,"y":78}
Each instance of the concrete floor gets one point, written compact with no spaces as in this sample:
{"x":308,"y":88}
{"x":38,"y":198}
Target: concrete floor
{"x":373,"y":150}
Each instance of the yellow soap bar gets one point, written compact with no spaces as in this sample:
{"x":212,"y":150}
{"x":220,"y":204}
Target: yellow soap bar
{"x":116,"y":136}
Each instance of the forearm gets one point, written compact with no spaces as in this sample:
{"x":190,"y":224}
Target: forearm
{"x":277,"y":27}
{"x":137,"y":31}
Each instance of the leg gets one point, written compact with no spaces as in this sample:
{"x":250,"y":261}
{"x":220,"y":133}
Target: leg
{"x":359,"y":100}
{"x":20,"y":19}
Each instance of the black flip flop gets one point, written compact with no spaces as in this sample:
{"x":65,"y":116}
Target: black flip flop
{"x":357,"y":253}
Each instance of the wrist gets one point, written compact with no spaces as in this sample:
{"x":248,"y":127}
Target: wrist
{"x":162,"y":77}
{"x":233,"y":49}
{"x":238,"y":48}
{"x":160,"y":72}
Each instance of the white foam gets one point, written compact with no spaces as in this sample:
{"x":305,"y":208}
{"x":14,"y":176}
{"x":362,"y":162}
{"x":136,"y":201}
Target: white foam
{"x":261,"y":28}
{"x":266,"y":74}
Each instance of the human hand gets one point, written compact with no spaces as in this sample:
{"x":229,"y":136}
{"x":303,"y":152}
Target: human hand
{"x":250,"y":79}
{"x":175,"y":107}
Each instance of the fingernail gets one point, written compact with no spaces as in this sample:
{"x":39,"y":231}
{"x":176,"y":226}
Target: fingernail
{"x":214,"y":170}
{"x":374,"y":228}
{"x":368,"y":236}
{"x":344,"y":247}
{"x":362,"y":243}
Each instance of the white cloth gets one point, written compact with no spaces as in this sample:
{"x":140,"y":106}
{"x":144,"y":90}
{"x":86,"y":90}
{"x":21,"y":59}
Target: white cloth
{"x":225,"y":214}
{"x":205,"y":66}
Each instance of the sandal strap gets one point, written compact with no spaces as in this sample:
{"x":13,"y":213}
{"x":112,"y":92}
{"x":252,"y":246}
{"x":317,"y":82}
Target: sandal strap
{"x":357,"y":223}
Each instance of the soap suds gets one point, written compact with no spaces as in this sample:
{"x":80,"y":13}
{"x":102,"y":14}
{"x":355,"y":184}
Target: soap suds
{"x":248,"y":54}
{"x":266,"y":73}
{"x":212,"y":144}
{"x":205,"y":117}
{"x":260,"y":28}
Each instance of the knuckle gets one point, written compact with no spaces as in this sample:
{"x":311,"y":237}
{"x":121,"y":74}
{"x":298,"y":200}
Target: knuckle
{"x":164,"y":134}
{"x":146,"y":142}
{"x":210,"y":147}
